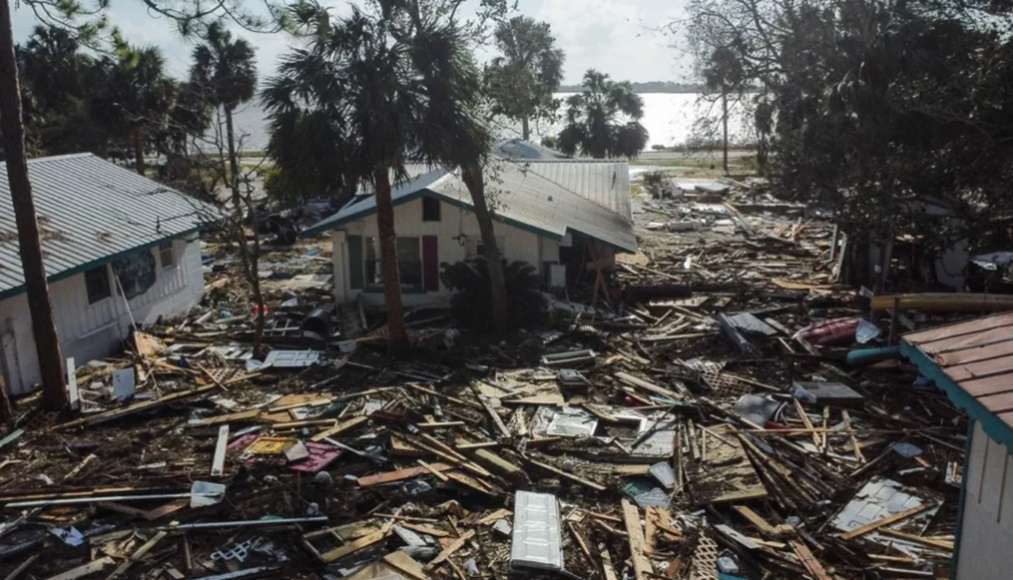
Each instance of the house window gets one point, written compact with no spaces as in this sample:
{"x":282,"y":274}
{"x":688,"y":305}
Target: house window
{"x":166,"y":257}
{"x":430,"y":209}
{"x":96,"y":281}
{"x":409,"y":258}
{"x":136,"y":273}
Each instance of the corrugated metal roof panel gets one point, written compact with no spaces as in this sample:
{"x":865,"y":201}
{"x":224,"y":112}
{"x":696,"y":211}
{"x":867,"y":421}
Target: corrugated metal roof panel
{"x":606,"y":183}
{"x":89,"y":210}
{"x":972,"y":362}
{"x":519,"y":196}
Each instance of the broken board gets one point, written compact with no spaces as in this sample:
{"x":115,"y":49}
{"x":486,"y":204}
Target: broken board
{"x":726,"y":475}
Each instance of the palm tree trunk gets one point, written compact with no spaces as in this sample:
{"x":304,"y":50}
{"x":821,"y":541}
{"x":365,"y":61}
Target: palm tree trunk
{"x":397,"y":336}
{"x":47,"y":343}
{"x":526,"y":127}
{"x":137,"y":143}
{"x":250,"y":257}
{"x":724,"y":122}
{"x":472,"y":175}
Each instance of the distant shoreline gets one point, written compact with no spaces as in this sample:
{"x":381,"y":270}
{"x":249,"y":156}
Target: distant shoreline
{"x":643,"y":88}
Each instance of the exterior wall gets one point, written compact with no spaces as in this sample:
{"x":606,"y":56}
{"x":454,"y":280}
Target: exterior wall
{"x":90,"y":331}
{"x":986,"y":530}
{"x":458,"y":236}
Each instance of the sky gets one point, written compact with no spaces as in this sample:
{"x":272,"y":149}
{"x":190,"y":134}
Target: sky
{"x":618,"y":37}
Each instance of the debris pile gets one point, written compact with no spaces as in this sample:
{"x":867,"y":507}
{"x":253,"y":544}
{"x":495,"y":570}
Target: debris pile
{"x":705,"y":422}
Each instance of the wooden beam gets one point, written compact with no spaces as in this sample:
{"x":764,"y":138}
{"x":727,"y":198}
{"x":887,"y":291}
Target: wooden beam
{"x":339,"y":428}
{"x":641,"y":565}
{"x":570,"y":476}
{"x":450,"y":549}
{"x":892,"y":519}
{"x":221,"y":447}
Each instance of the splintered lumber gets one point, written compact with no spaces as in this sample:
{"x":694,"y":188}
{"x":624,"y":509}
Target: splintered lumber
{"x":726,"y":475}
{"x":635,"y":533}
{"x":239,"y":417}
{"x":401,"y":474}
{"x":433,"y":471}
{"x":812,"y":565}
{"x":607,"y":569}
{"x":450,"y":549}
{"x":891,"y":519}
{"x":134,"y":409}
{"x":137,"y":555}
{"x":339,"y":428}
{"x":930,"y":542}
{"x":508,"y":469}
{"x":763,"y":525}
{"x":496,"y":419}
{"x":648,"y":386}
{"x":567,"y":475}
{"x":406,"y":565}
{"x":85,"y":570}
{"x":495,"y":517}
{"x":580,"y":542}
{"x":355,"y":545}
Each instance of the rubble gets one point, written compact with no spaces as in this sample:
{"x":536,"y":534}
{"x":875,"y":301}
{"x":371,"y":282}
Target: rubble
{"x":703,"y":420}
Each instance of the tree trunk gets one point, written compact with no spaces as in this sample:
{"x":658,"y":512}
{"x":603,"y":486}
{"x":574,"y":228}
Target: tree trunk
{"x":525,"y":127}
{"x":137,"y":143}
{"x":250,"y":257}
{"x":724,"y":123}
{"x":396,"y":334}
{"x":47,"y":343}
{"x":472,"y":175}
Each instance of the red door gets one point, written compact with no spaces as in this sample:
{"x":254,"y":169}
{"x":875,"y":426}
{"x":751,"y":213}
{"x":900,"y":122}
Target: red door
{"x":430,"y":264}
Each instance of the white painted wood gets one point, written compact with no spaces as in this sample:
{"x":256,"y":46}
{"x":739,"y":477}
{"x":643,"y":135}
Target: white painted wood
{"x":73,"y":395}
{"x":218,"y":462}
{"x":986,"y":535}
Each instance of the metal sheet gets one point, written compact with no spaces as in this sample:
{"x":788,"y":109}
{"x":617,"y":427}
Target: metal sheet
{"x":537,"y":540}
{"x":90,"y":210}
{"x":291,"y":359}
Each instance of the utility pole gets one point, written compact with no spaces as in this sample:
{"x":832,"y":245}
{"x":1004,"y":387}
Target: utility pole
{"x":47,"y":343}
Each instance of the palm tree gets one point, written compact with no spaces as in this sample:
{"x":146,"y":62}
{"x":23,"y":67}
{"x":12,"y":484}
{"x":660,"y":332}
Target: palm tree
{"x":452,"y":133}
{"x":356,"y":80}
{"x":225,"y":70}
{"x":724,"y":74}
{"x":135,"y":97}
{"x":604,"y":119}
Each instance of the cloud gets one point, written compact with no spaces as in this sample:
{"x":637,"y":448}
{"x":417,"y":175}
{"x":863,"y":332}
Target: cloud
{"x":620,"y":38}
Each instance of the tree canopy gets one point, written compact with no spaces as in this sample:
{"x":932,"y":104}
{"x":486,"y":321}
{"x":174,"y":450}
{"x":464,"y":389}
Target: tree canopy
{"x":879,"y":110}
{"x":604,"y":119}
{"x":522,"y":79}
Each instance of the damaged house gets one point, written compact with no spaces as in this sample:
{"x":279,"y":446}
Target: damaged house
{"x":565,"y":217}
{"x":119,"y":249}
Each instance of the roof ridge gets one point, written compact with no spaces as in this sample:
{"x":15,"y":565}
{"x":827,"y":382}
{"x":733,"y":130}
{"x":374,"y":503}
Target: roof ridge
{"x":58,"y":157}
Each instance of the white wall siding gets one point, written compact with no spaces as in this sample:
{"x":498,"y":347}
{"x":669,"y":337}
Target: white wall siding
{"x":457,"y":233}
{"x":986,"y":533}
{"x":89,"y":331}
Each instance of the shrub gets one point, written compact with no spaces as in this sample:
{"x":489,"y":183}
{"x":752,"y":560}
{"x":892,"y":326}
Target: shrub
{"x":472,"y":301}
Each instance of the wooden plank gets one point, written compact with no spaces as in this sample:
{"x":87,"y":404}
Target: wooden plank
{"x":951,"y":330}
{"x":450,"y":549}
{"x":999,"y":403}
{"x":432,"y":470}
{"x":891,"y":519}
{"x":812,"y":565}
{"x":406,"y":565}
{"x":88,"y":569}
{"x":400,"y":474}
{"x":996,"y":335}
{"x":424,"y":529}
{"x":987,"y":386}
{"x":726,"y":475}
{"x":978,"y":370}
{"x":496,"y":419}
{"x":975,"y":354}
{"x":940,"y":544}
{"x":137,"y":555}
{"x":648,"y":386}
{"x":221,"y":447}
{"x":134,"y":409}
{"x":570,"y":476}
{"x":339,"y":428}
{"x":73,"y":393}
{"x":354,"y":546}
{"x":238,"y":417}
{"x":763,"y":525}
{"x":508,"y":469}
{"x":635,"y":534}
{"x":607,"y":569}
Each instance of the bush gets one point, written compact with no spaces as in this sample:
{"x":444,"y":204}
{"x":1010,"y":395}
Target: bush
{"x":472,"y":302}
